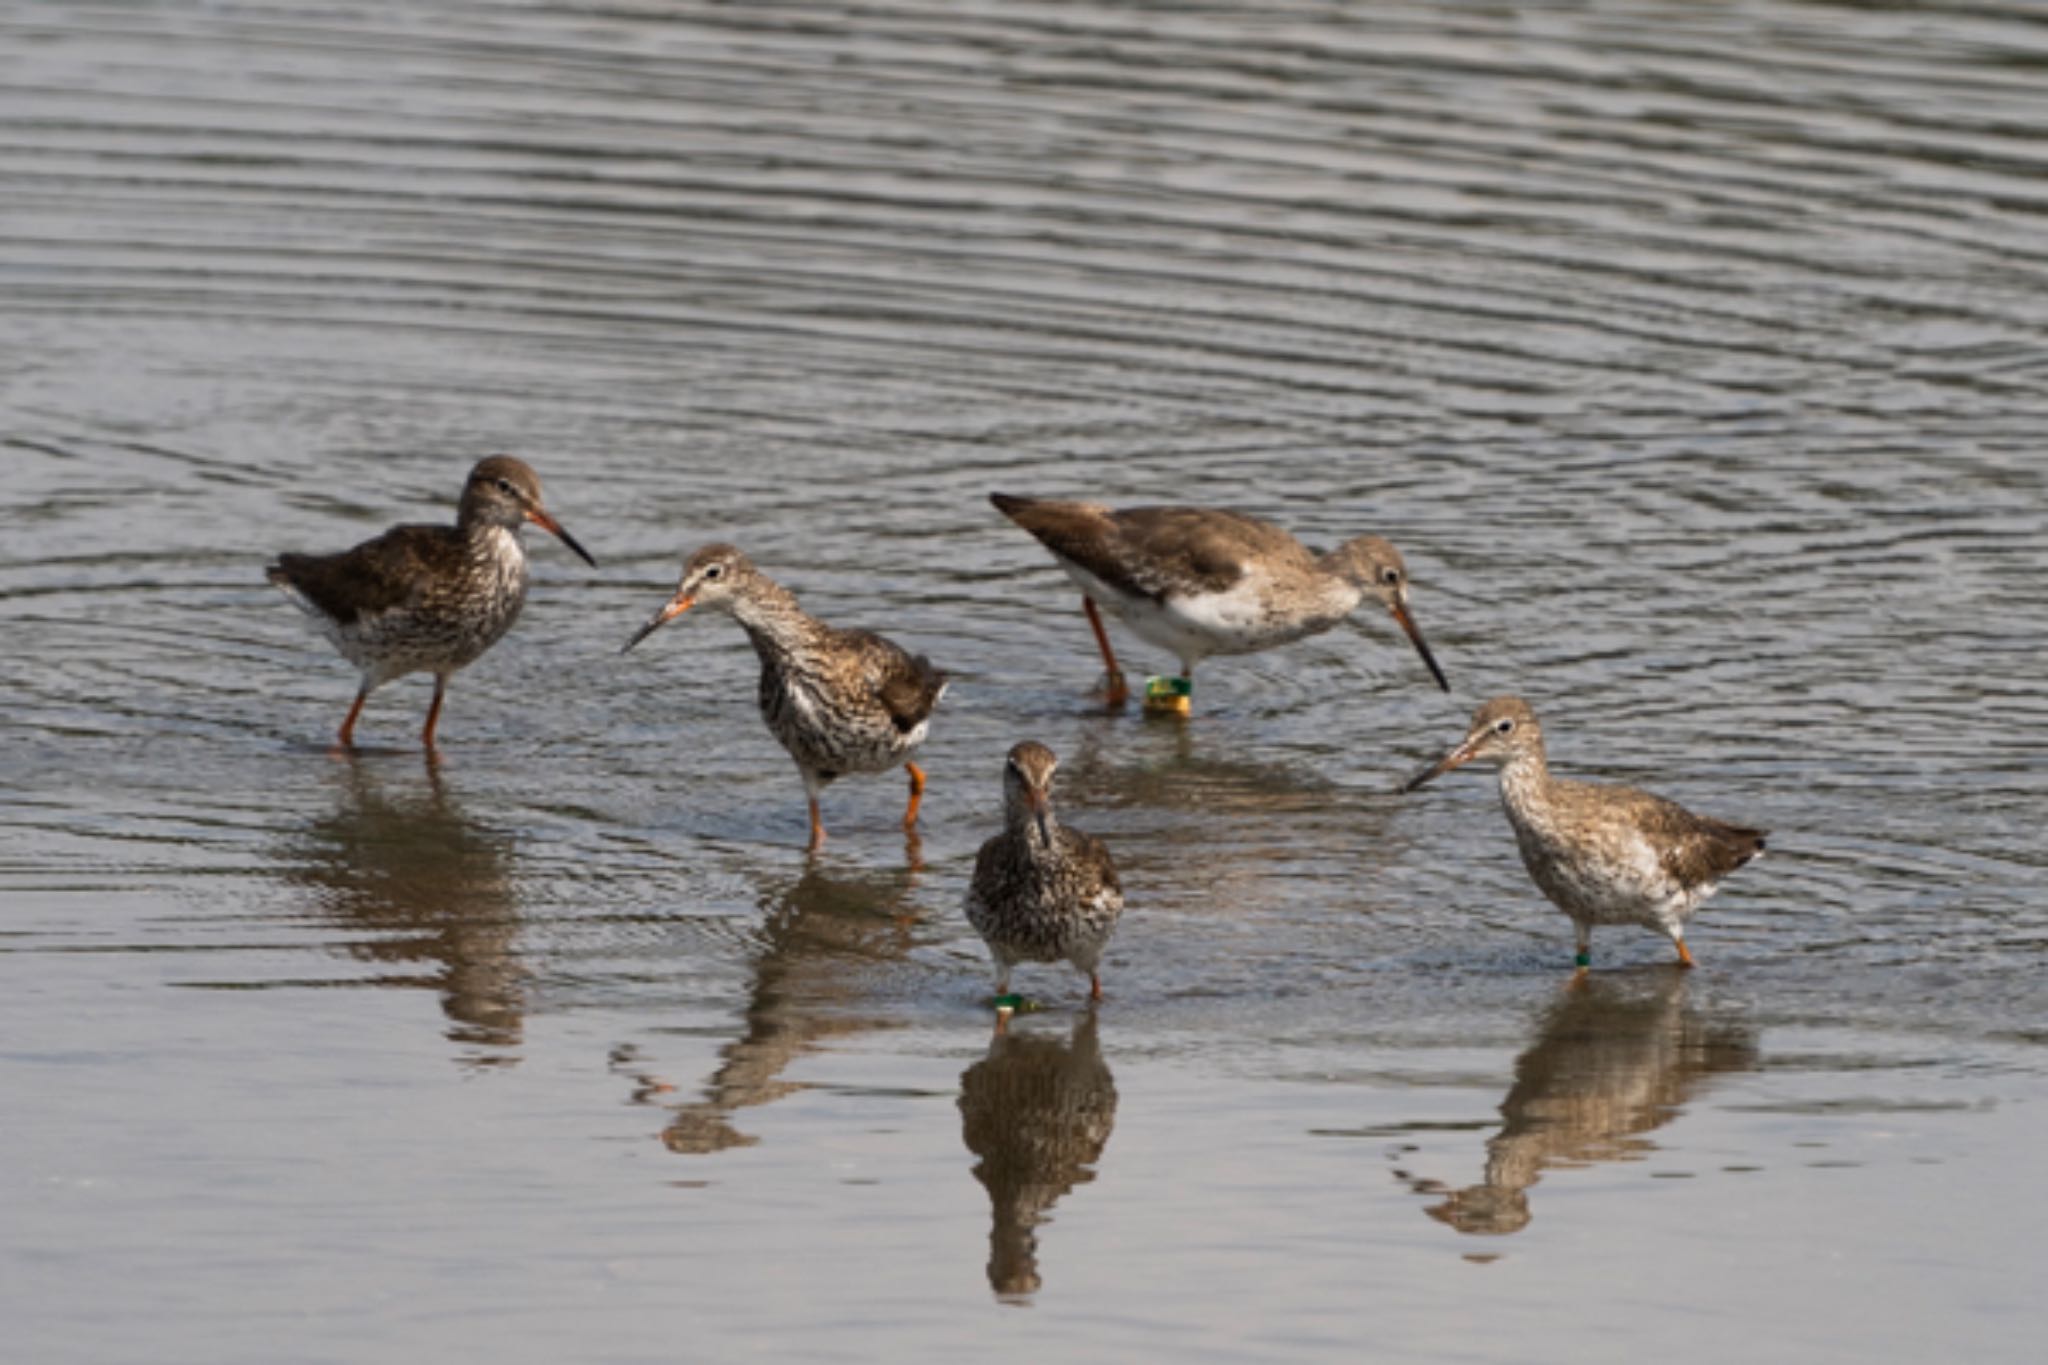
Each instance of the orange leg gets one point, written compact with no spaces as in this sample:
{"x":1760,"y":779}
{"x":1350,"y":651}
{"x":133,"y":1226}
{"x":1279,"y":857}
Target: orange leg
{"x":347,"y":737}
{"x":1684,"y":954}
{"x":434,"y":711}
{"x":817,"y":828}
{"x":916,"y":794}
{"x":1115,"y":692}
{"x":1094,"y":986}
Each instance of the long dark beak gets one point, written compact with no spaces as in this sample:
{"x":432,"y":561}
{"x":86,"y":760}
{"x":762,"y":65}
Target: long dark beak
{"x":675,"y":608}
{"x":539,"y":517}
{"x":1456,"y":758}
{"x":1400,"y":610}
{"x":1041,"y":809}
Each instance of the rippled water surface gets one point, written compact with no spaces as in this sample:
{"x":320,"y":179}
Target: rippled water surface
{"x":1693,"y":354}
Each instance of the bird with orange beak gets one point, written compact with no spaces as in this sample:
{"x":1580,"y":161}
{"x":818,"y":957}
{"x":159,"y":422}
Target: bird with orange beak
{"x":1603,"y":854}
{"x":427,"y":599}
{"x":1042,"y":891}
{"x":840,"y":701}
{"x":1198,"y":581}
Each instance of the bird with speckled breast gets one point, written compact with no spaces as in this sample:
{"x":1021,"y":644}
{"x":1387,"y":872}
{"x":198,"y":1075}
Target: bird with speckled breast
{"x":1602,"y":853}
{"x":840,"y":701}
{"x":427,"y":599}
{"x":1042,"y":891}
{"x":1199,"y":581}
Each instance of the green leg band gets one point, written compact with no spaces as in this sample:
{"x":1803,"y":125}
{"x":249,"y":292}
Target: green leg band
{"x":1584,"y":959}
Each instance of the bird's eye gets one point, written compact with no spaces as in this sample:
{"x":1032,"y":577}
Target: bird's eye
{"x":504,"y":485}
{"x":1503,"y":726}
{"x":1390,"y":576}
{"x":715,"y":571}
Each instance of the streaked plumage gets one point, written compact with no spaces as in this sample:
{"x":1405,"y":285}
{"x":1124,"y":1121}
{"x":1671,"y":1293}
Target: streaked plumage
{"x":422,"y":598}
{"x":1199,"y":581}
{"x":1604,"y":854}
{"x":840,"y":701}
{"x":1042,"y":892}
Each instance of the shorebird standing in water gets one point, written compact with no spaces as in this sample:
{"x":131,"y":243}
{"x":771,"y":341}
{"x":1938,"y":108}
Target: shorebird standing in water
{"x":1199,"y":581}
{"x":840,"y":701}
{"x":1041,"y":892}
{"x":1603,"y":854}
{"x":427,"y":599}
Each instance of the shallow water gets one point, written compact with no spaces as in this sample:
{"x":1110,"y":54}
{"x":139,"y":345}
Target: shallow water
{"x":1694,"y":356}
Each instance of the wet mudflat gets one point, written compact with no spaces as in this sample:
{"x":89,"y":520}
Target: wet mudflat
{"x":1693,"y":357}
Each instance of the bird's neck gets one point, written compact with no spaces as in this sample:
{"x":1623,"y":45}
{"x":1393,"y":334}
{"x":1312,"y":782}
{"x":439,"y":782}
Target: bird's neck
{"x":1525,"y":782}
{"x":474,"y":517}
{"x":773,"y":621}
{"x":1334,"y":588}
{"x":494,"y":544}
{"x":1023,"y":823}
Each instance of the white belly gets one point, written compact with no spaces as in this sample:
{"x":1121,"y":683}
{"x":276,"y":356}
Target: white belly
{"x":1192,"y":628}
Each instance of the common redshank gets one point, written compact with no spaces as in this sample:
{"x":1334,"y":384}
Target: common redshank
{"x":1604,"y":854}
{"x":427,"y":599}
{"x":1199,"y":581}
{"x":1041,"y":892}
{"x":841,"y":701}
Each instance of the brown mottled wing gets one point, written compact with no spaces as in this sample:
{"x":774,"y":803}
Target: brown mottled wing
{"x":1695,"y":849}
{"x":1080,"y":532}
{"x":1152,"y":551}
{"x":373,"y":577}
{"x":987,"y":883}
{"x":906,"y":684}
{"x":1091,"y":853}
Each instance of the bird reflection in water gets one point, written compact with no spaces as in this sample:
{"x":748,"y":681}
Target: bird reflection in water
{"x":822,"y":941}
{"x":1615,"y":1059}
{"x":404,"y":863}
{"x":1037,"y":1111}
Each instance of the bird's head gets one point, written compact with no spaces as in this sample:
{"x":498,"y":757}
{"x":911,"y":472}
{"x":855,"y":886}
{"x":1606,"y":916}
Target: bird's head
{"x":1027,"y":786}
{"x":714,"y":576}
{"x":503,"y":491}
{"x":1372,"y":565}
{"x":1501,"y":730}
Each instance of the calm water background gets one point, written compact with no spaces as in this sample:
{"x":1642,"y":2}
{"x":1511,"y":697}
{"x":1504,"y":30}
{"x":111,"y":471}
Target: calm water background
{"x":1694,"y":354}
